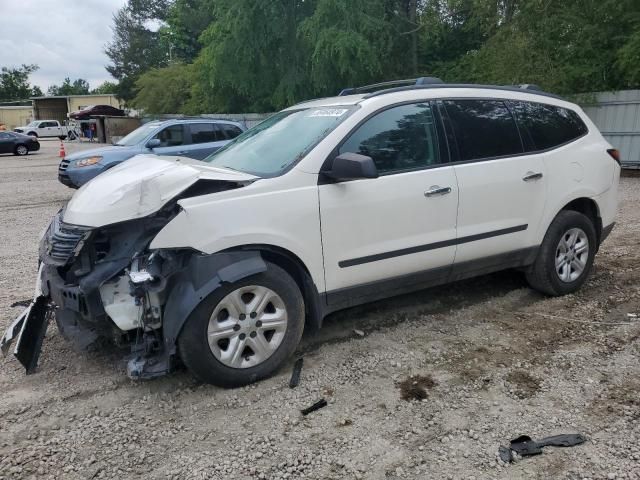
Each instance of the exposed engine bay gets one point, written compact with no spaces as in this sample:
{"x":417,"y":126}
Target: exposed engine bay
{"x":105,"y":283}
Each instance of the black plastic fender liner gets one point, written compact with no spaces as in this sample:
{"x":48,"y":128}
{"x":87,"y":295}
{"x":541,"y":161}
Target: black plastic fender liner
{"x":202,"y":275}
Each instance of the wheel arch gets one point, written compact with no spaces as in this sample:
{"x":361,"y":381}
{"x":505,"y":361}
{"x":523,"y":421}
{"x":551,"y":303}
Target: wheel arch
{"x":295,"y":267}
{"x":589,"y":208}
{"x":203,"y":274}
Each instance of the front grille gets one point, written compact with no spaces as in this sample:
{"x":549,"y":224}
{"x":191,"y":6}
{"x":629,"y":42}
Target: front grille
{"x":64,"y":164}
{"x":62,"y":241}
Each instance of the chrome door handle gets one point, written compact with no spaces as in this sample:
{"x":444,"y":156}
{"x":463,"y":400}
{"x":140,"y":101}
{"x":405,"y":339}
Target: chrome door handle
{"x":436,"y":190}
{"x":529,"y":176}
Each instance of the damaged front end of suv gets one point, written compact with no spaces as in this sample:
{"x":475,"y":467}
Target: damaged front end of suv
{"x":99,"y":278}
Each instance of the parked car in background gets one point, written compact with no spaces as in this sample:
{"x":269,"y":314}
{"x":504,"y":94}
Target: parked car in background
{"x":44,"y":129}
{"x":328,"y":204}
{"x":17,"y":143}
{"x":196,"y":138}
{"x":94,"y":110}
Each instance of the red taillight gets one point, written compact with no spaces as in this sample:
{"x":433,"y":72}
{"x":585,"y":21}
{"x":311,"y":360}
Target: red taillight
{"x":615,"y":154}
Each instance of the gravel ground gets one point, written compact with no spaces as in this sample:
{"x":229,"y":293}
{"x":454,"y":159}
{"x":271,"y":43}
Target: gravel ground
{"x":498,"y":361}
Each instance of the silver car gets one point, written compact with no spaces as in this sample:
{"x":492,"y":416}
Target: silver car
{"x":195,"y":138}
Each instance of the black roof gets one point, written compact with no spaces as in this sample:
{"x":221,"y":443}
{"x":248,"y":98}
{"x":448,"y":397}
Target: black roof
{"x":433,"y":82}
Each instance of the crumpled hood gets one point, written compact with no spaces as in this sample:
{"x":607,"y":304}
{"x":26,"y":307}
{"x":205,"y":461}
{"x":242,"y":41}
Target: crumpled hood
{"x":139,"y":187}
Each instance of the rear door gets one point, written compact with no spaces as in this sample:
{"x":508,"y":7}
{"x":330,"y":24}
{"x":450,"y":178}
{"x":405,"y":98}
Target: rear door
{"x":502,"y":189}
{"x":382,"y":236}
{"x":206,"y":138}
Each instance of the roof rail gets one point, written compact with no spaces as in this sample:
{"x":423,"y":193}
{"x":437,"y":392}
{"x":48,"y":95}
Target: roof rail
{"x":527,"y":86}
{"x":531,"y":89}
{"x":385,"y":85}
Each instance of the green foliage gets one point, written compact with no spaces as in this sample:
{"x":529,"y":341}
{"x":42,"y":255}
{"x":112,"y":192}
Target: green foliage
{"x":14,"y":83}
{"x":135,"y":48}
{"x":263,"y":55}
{"x":105,"y":88}
{"x":77,"y":87}
{"x":185,"y":22}
{"x":165,"y":90}
{"x":567,"y":46}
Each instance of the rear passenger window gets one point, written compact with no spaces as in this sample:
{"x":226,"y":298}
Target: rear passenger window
{"x":202,"y":132}
{"x":483,"y":129}
{"x":397,"y":139}
{"x":547,"y":126}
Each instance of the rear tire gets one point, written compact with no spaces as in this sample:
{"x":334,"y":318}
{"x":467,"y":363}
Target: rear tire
{"x":566,"y":255}
{"x":228,"y":340}
{"x":21,"y":150}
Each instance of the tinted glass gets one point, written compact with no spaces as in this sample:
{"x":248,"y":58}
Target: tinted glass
{"x":483,"y":129}
{"x":400,"y":138}
{"x":5,"y":136}
{"x":202,"y":132}
{"x":230,"y":131}
{"x":547,"y":126}
{"x":172,"y":136}
{"x":271,"y":147}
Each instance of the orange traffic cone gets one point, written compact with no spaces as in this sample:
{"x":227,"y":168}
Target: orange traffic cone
{"x":61,"y":153}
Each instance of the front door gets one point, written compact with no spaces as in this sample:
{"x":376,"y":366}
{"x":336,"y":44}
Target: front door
{"x":400,"y":226}
{"x":172,"y":141}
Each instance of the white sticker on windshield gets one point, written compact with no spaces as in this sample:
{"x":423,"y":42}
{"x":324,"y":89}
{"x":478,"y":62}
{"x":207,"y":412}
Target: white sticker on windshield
{"x":328,"y":112}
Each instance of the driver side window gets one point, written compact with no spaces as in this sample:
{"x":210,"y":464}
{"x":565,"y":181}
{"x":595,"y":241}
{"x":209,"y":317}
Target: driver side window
{"x":398,"y":139}
{"x":172,"y":136}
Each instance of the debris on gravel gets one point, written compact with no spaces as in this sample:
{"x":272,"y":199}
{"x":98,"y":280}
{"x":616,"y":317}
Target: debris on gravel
{"x":506,"y":360}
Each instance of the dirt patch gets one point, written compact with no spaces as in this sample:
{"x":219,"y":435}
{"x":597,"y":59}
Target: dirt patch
{"x":524,"y":385}
{"x":482,"y":339}
{"x":415,"y":387}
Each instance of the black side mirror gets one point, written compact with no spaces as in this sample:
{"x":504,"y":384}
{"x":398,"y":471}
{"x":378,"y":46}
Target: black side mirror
{"x":351,"y":166}
{"x":153,"y":143}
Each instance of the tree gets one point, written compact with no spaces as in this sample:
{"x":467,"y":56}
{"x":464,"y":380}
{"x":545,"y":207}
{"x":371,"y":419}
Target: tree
{"x":567,"y":46}
{"x":186,"y":20}
{"x":135,"y":48}
{"x":105,"y":88}
{"x":14,"y":83}
{"x":165,"y":90}
{"x":78,"y":87}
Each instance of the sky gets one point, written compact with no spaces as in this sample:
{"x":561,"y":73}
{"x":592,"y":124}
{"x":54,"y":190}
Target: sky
{"x":66,"y":38}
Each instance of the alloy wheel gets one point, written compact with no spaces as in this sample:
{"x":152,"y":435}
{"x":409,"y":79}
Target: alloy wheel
{"x":572,"y":255}
{"x":247,"y":326}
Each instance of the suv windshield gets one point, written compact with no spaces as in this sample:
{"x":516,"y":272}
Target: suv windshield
{"x":138,"y":135}
{"x":271,"y":147}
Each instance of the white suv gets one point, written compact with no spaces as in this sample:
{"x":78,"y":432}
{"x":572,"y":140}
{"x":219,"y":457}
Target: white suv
{"x":328,"y":204}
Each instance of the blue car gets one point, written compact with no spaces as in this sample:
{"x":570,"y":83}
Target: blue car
{"x":186,"y":138}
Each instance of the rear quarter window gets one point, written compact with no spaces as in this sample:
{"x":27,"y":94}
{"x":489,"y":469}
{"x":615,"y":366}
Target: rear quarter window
{"x":547,"y":126}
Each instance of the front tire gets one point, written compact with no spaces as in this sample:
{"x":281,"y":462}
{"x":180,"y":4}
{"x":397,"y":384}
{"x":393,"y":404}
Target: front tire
{"x":566,"y":255}
{"x":33,"y":134}
{"x":244,"y":331}
{"x":21,"y":150}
